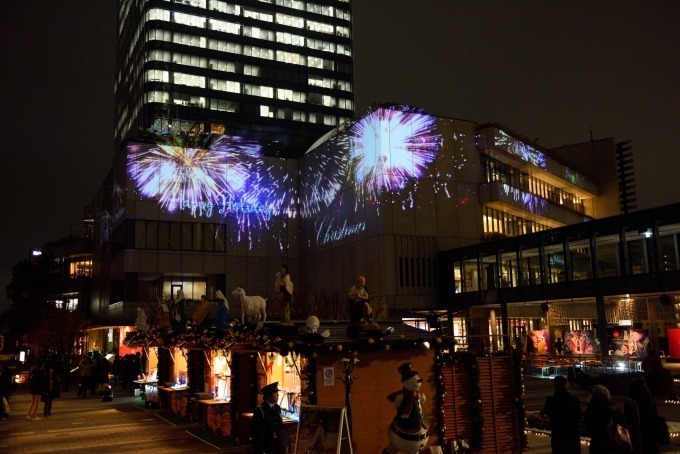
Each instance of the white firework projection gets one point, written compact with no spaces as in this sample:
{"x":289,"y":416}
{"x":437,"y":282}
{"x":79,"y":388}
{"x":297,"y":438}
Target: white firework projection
{"x":390,"y":147}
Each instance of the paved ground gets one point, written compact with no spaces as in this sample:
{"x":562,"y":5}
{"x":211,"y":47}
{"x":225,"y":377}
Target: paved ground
{"x":89,"y":425}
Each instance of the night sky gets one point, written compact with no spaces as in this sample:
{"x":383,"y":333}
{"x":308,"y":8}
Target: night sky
{"x":546,"y":70}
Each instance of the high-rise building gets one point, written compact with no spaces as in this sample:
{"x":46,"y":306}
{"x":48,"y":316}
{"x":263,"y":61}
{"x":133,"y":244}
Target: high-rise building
{"x":273,"y":70}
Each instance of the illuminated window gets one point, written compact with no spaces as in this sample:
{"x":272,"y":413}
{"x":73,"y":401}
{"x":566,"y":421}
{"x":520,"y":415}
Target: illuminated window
{"x":258,"y":33}
{"x":295,"y":4}
{"x":342,"y":31}
{"x":329,"y":120}
{"x":322,"y":63}
{"x":344,"y":85}
{"x":189,"y":19}
{"x":258,"y":90}
{"x":251,"y":70}
{"x":157,"y":75}
{"x":290,"y":95}
{"x":222,"y":65}
{"x":224,"y":7}
{"x":158,"y":14}
{"x":224,"y":26}
{"x":80,"y":268}
{"x":345,"y":104}
{"x":258,"y":52}
{"x":319,"y":27}
{"x":290,"y":57}
{"x":319,"y":44}
{"x":290,"y":21}
{"x":324,"y":10}
{"x":158,"y":96}
{"x":223,"y":105}
{"x":225,"y":85}
{"x":189,"y":80}
{"x":258,"y":15}
{"x":289,"y":38}
{"x":266,"y":111}
{"x":329,"y":101}
{"x":342,"y":14}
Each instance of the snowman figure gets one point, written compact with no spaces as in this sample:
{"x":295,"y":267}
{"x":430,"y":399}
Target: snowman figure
{"x":408,"y":430}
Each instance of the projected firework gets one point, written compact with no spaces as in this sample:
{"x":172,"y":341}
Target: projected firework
{"x":389,"y":147}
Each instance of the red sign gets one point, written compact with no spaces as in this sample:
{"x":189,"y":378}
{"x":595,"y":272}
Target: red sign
{"x":674,"y":342}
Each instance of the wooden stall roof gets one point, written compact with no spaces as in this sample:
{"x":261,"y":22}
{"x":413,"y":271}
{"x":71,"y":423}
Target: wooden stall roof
{"x":271,"y":336}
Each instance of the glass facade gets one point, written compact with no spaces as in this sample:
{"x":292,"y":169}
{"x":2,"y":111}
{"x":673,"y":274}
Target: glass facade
{"x":626,"y":246}
{"x":192,"y":66}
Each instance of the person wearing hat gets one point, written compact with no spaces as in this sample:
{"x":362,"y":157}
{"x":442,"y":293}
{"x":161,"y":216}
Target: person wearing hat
{"x":269,"y":434}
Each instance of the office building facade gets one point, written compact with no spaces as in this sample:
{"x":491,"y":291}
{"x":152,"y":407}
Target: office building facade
{"x":379,"y":197}
{"x":276,"y":70}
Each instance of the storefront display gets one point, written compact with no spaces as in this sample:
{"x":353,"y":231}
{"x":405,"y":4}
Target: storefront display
{"x":627,"y":341}
{"x":579,"y":342}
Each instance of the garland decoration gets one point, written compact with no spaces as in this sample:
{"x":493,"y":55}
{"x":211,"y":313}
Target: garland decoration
{"x":518,"y":371}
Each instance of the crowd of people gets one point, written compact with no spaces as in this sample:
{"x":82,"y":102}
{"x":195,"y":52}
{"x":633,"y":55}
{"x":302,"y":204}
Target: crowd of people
{"x":634,"y":427}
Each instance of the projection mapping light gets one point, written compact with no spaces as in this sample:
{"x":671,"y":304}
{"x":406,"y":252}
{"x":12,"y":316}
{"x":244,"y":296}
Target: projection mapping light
{"x":225,"y":175}
{"x":389,"y":147}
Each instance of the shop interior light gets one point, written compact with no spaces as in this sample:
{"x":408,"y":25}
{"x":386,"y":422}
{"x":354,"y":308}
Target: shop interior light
{"x":22,"y":356}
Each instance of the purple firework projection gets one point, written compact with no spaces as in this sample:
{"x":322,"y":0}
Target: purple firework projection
{"x":389,"y":147}
{"x":180,"y":177}
{"x":242,"y":185}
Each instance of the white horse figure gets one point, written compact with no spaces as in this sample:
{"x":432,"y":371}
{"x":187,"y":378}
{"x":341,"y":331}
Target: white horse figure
{"x":254,"y":307}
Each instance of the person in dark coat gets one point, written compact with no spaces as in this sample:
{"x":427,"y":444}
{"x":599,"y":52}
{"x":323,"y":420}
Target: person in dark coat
{"x":564,"y":411}
{"x":599,"y":413}
{"x":269,"y":435}
{"x":5,"y":389}
{"x":640,"y":411}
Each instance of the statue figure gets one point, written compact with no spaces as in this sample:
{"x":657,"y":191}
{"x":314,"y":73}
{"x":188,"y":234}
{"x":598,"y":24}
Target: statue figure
{"x":142,"y":321}
{"x":408,"y":430}
{"x":284,"y":288}
{"x":222,"y":310}
{"x":179,"y":318}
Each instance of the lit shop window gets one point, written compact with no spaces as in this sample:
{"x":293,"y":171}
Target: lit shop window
{"x":319,"y":27}
{"x":222,"y":65}
{"x":251,"y":70}
{"x":158,"y":14}
{"x":223,"y":105}
{"x":258,"y":90}
{"x":320,"y":9}
{"x":80,"y":268}
{"x":266,"y":111}
{"x":258,"y":33}
{"x":157,"y":75}
{"x":224,"y":46}
{"x":258,"y":15}
{"x":70,"y":304}
{"x":290,"y":57}
{"x":289,"y":38}
{"x":189,"y":19}
{"x":157,"y":96}
{"x":221,"y":375}
{"x":189,"y":80}
{"x":193,"y":288}
{"x":318,"y":44}
{"x":224,"y":26}
{"x":224,"y":7}
{"x":290,"y":21}
{"x":295,"y":4}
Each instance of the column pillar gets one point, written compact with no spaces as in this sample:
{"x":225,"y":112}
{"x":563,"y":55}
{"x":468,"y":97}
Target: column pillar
{"x":602,"y":325}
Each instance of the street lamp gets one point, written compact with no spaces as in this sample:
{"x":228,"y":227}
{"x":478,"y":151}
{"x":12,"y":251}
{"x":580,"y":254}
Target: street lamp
{"x":347,"y":363}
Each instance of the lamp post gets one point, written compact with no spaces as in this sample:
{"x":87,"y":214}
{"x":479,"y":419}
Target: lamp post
{"x":347,"y":363}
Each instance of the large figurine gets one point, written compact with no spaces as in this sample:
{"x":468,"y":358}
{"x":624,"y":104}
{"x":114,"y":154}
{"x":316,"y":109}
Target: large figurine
{"x":163,"y":316}
{"x":201,"y":312}
{"x":408,"y":430}
{"x":222,"y":310}
{"x":253,"y":307}
{"x":179,"y":317}
{"x":142,"y":322}
{"x":283,"y":286}
{"x":360,"y":312}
